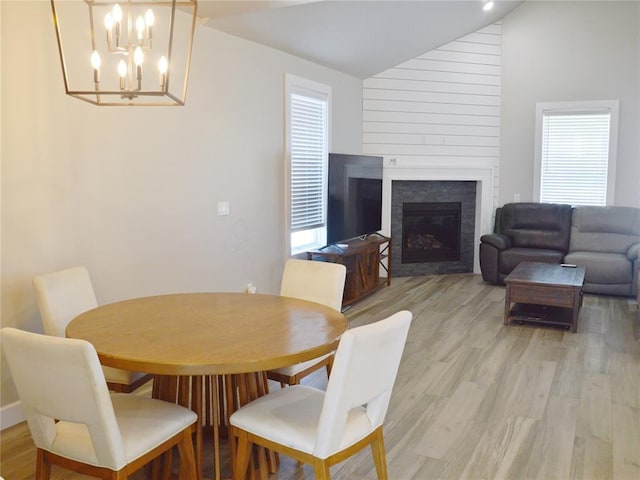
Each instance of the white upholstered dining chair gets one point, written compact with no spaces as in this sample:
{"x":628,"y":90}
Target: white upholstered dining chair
{"x":319,"y":282}
{"x":63,"y":295}
{"x":321,"y":428}
{"x":77,"y":424}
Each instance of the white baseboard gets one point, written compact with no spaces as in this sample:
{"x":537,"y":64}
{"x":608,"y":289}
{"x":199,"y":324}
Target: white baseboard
{"x":11,"y":415}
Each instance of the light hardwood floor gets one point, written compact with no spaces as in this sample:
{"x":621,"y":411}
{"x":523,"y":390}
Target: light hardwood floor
{"x":478,"y":400}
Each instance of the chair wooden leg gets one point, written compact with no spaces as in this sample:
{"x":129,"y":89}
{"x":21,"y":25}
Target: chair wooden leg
{"x":329,"y":365}
{"x":261,"y":463}
{"x":379,"y":455}
{"x":118,"y":387}
{"x":321,"y":469}
{"x":243,"y":451}
{"x":155,"y":468}
{"x":43,"y":466}
{"x":166,"y":459}
{"x":187,"y":457}
{"x":119,"y":475}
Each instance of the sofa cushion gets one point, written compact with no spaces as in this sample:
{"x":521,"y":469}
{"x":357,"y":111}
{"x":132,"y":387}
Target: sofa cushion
{"x":604,"y":229}
{"x":623,"y":289}
{"x":537,"y":225}
{"x":602,"y":267}
{"x":510,"y":258}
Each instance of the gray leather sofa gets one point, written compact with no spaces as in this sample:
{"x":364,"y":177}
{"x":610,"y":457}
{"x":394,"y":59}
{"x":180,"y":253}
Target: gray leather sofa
{"x":606,"y":240}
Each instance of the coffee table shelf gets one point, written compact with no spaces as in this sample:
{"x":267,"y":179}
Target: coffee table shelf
{"x":541,"y":314}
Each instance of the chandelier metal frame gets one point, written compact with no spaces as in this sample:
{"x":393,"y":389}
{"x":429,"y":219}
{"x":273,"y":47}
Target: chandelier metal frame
{"x":131,"y":92}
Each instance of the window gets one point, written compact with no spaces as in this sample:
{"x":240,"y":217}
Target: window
{"x":576,"y":152}
{"x":308,"y":109}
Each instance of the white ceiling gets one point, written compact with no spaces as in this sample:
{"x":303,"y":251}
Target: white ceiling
{"x":357,"y":37}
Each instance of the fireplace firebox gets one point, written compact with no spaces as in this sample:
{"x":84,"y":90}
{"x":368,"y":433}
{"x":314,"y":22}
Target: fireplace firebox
{"x":430,"y":231}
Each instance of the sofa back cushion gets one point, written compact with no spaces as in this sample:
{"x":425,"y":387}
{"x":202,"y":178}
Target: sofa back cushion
{"x":537,"y":225}
{"x":604,"y":229}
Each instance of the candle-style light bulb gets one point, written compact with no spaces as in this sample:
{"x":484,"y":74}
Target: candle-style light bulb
{"x":122,"y":71}
{"x":122,"y":68}
{"x":108,"y":25}
{"x":95,"y":63}
{"x":140,"y":27}
{"x":163,"y":66}
{"x":108,"y":21}
{"x":138,"y":59}
{"x":95,"y":60}
{"x":149,"y":18}
{"x":116,"y":13}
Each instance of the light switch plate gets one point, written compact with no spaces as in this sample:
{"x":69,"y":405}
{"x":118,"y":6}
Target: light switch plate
{"x":223,"y":207}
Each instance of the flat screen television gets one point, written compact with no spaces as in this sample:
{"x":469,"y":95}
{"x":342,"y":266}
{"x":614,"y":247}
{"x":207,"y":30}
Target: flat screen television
{"x":354,"y":200}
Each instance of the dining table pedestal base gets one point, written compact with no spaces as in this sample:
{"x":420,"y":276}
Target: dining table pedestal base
{"x":214,"y":398}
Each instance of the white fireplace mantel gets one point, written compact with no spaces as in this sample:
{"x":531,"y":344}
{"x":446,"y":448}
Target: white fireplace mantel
{"x":479,"y":170}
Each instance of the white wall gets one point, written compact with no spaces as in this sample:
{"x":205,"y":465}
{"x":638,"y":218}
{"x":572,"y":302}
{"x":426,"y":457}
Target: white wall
{"x":131,"y":192}
{"x":569,"y":51}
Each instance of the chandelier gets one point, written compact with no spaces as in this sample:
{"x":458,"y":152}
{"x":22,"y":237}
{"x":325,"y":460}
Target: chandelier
{"x":127,"y":52}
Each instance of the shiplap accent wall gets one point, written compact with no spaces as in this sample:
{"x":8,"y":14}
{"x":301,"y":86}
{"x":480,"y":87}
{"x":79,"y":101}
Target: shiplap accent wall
{"x":442,"y":106}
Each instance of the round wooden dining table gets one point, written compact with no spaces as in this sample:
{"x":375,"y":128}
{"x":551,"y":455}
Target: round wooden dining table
{"x":210,"y":350}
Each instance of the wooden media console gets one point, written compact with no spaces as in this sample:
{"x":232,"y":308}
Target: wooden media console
{"x":363,"y":258}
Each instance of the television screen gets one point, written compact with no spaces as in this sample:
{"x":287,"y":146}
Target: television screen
{"x":354,"y":205}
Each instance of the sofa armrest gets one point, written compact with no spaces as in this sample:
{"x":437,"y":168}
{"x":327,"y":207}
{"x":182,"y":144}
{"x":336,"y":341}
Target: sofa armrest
{"x":634,"y":251}
{"x":497,"y":240}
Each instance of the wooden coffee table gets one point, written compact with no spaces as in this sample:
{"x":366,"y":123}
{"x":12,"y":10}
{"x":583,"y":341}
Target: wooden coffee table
{"x":544,"y":293}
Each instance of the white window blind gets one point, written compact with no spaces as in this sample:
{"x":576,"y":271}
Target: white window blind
{"x":308,"y":147}
{"x":574,"y":156}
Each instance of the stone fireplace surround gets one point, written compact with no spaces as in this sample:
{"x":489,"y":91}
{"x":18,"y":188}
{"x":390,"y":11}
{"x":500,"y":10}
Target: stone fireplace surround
{"x":439,"y":192}
{"x":481,"y":170}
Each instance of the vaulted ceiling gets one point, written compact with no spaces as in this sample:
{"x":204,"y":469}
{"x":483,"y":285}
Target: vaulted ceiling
{"x":357,"y":37}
